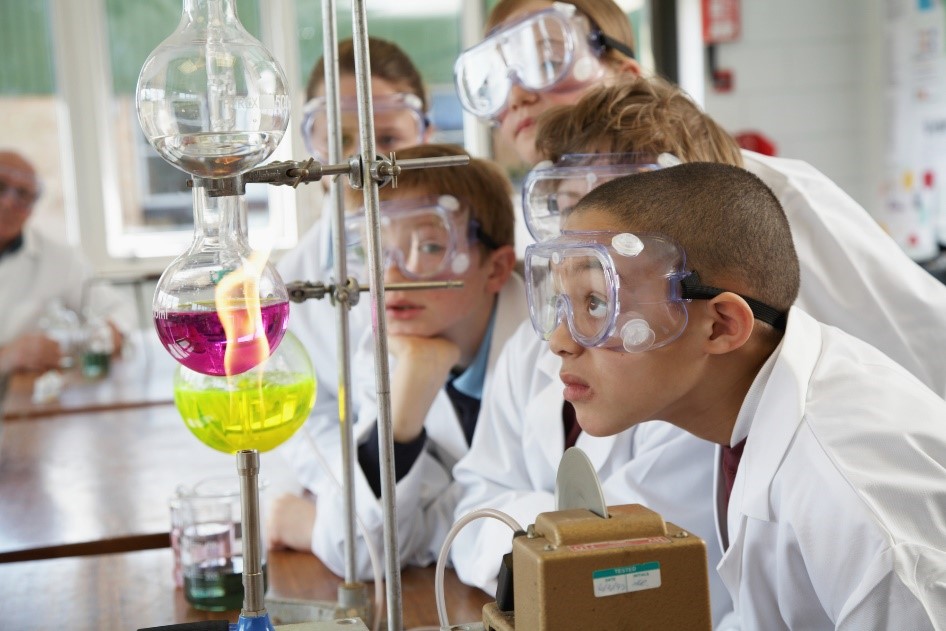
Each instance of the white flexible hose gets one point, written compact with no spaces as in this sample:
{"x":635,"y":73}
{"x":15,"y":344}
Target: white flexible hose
{"x":372,"y":553}
{"x":445,"y":552}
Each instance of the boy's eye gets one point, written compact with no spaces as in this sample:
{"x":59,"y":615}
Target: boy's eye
{"x":597,"y":306}
{"x":431,"y":247}
{"x":388,"y":141}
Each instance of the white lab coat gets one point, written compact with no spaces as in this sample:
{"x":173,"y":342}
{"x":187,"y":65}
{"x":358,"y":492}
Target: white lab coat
{"x":426,"y":496}
{"x":517,"y":447}
{"x":44,"y":270}
{"x":314,"y":323}
{"x":837,"y":518}
{"x":853,"y":275}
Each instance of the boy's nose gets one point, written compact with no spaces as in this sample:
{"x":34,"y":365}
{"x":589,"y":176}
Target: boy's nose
{"x":562,"y":343}
{"x":392,"y":269}
{"x":520,"y":97}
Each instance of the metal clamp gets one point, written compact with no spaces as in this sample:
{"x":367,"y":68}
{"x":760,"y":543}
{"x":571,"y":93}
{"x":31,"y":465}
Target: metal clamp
{"x":385,"y":170}
{"x":293,"y":173}
{"x":349,"y":293}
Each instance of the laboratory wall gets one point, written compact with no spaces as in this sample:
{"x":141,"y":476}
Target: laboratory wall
{"x":808,"y":75}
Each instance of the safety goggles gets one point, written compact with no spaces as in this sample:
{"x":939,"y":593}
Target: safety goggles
{"x":621,"y":291}
{"x":551,"y":190}
{"x":553,"y":49}
{"x":399,"y":121}
{"x":425,"y":238}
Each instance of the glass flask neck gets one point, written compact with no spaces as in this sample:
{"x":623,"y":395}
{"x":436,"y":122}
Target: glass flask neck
{"x":219,"y":221}
{"x":210,"y":13}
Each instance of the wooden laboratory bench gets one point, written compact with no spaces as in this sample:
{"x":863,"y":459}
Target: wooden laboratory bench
{"x":131,"y":590}
{"x":144,"y":378}
{"x":99,"y":482}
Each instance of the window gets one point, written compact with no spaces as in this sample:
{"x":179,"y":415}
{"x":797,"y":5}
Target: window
{"x":67,"y":88}
{"x":30,"y":107}
{"x":156,"y":217}
{"x":429,"y":32}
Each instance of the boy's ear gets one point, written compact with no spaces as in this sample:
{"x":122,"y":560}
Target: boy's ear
{"x":732,"y":323}
{"x":628,"y":68}
{"x":428,"y":133}
{"x":501,"y":262}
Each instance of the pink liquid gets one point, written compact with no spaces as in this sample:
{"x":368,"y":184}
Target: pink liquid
{"x":197,"y":338}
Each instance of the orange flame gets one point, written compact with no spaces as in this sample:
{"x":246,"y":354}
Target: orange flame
{"x":240,"y":312}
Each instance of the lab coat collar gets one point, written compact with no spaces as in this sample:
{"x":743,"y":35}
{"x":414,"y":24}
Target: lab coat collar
{"x":780,"y":412}
{"x":544,"y":412}
{"x":511,"y":311}
{"x":597,"y":448}
{"x":470,"y":381}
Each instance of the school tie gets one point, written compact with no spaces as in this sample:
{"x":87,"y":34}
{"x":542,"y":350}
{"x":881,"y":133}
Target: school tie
{"x":729,"y":464}
{"x":572,"y":428}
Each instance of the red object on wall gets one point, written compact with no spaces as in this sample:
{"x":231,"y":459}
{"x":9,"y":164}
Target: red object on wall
{"x":756,"y":141}
{"x":722,"y":80}
{"x":722,"y":21}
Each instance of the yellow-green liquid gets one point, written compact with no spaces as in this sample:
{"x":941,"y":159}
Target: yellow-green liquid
{"x":246,"y":412}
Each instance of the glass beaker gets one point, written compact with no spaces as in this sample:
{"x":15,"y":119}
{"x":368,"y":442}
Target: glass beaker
{"x":207,"y":541}
{"x":99,"y":345}
{"x":62,"y":325}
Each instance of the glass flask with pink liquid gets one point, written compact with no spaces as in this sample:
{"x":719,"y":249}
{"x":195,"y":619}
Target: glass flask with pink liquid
{"x":220,"y":308}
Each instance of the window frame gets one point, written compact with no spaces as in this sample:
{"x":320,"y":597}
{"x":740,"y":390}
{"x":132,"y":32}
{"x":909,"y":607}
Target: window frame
{"x":87,"y":143}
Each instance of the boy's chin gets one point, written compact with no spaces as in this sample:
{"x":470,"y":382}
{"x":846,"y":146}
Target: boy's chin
{"x":600,"y":425}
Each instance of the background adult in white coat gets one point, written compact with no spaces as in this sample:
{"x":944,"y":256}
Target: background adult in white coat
{"x":833,"y":459}
{"x":439,"y":224}
{"x":36,"y":270}
{"x":400,"y":121}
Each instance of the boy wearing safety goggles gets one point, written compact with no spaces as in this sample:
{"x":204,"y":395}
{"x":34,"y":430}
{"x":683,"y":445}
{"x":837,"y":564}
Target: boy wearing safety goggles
{"x":437,"y":225}
{"x":537,"y":54}
{"x":400,"y":121}
{"x":668,"y":296}
{"x":526,"y":423}
{"x":849,"y":267}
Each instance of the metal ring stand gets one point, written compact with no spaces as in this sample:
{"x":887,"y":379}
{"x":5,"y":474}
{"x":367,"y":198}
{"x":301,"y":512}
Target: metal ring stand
{"x":368,"y":172}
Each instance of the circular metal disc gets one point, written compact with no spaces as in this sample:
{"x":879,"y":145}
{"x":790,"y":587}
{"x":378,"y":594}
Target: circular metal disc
{"x":577,"y":484}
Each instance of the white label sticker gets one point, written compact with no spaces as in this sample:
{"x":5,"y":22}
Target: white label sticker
{"x":621,"y":580}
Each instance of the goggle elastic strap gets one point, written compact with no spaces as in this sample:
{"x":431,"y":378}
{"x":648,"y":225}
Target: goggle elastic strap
{"x":478,"y":234}
{"x":694,"y":289}
{"x":600,"y":42}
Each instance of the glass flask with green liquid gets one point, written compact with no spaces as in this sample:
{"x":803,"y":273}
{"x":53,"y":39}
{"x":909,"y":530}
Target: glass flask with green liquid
{"x":257,"y":409}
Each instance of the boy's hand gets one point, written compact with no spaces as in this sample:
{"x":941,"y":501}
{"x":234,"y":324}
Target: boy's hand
{"x":289,"y":524}
{"x":423,"y":366}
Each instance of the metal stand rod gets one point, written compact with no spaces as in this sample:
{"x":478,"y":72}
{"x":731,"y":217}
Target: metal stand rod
{"x":339,"y":262}
{"x":382,"y":376}
{"x":253,"y":587}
